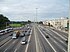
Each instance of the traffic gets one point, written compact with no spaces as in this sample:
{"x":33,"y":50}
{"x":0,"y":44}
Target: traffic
{"x":16,"y":33}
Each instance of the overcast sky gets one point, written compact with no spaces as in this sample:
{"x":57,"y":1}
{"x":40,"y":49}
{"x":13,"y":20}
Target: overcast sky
{"x":22,"y":10}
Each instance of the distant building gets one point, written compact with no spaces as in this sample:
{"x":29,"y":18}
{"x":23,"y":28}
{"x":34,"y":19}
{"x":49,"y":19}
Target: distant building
{"x":58,"y":23}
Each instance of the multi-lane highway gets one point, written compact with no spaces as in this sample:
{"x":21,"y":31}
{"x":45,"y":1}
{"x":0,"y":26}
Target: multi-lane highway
{"x":36,"y":42}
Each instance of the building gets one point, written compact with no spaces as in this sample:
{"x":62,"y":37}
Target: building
{"x":61,"y":23}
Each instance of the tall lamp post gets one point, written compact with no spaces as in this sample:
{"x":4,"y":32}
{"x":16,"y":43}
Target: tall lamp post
{"x":36,"y":13}
{"x":69,"y":36}
{"x":69,"y":32}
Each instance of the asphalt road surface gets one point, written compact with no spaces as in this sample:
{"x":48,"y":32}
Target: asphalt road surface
{"x":36,"y":42}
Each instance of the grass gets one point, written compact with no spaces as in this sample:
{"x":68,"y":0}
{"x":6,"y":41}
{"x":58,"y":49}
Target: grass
{"x":16,"y":25}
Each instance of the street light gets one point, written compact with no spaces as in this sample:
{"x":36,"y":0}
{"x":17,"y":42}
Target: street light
{"x":36,"y":13}
{"x":69,"y":36}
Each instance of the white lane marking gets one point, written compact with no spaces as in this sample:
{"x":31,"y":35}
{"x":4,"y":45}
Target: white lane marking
{"x":5,"y":40}
{"x":58,"y":39}
{"x":15,"y":50}
{"x":38,"y":45}
{"x":37,"y":49}
{"x":17,"y":47}
{"x":10,"y":46}
{"x":59,"y":35}
{"x":60,"y":30}
{"x":57,"y":43}
{"x":47,"y":41}
{"x":28,"y":43}
{"x":6,"y":43}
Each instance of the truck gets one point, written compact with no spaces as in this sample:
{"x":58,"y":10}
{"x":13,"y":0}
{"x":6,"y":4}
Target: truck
{"x":16,"y":34}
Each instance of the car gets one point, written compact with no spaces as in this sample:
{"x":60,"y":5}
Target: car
{"x":23,"y":41}
{"x":2,"y":32}
{"x":43,"y":29}
{"x":30,"y":32}
{"x":25,"y":30}
{"x":27,"y":34}
{"x":22,"y":34}
{"x":11,"y":34}
{"x":46,"y":36}
{"x":14,"y":36}
{"x":66,"y":40}
{"x":7,"y":30}
{"x":10,"y":29}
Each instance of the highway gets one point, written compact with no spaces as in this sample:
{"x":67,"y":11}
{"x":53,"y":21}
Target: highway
{"x":36,"y":42}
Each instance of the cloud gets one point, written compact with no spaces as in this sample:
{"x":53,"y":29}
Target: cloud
{"x":26,"y":9}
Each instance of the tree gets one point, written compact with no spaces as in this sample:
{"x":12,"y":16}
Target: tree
{"x":40,"y":22}
{"x":3,"y":21}
{"x":29,"y":21}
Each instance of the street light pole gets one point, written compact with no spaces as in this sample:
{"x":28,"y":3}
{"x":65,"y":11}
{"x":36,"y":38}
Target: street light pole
{"x":36,"y":13}
{"x":69,"y":36}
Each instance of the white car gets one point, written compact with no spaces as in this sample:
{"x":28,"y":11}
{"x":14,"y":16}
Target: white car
{"x":7,"y":31}
{"x":2,"y":32}
{"x":23,"y":41}
{"x":14,"y":36}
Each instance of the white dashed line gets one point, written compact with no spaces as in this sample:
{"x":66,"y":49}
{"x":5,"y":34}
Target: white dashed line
{"x":27,"y":44}
{"x":47,"y":41}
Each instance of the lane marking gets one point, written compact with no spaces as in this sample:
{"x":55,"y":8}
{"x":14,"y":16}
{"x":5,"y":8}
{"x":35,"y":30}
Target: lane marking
{"x":37,"y":50}
{"x":10,"y":46}
{"x":17,"y":47}
{"x":20,"y":44}
{"x":57,"y":43}
{"x":38,"y":45}
{"x":28,"y":43}
{"x":60,"y":30}
{"x":47,"y":41}
{"x":59,"y":35}
{"x":6,"y":43}
{"x":15,"y":50}
{"x":58,"y":39}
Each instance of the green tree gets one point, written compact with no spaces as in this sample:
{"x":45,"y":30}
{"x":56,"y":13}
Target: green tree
{"x":3,"y":21}
{"x":40,"y":22}
{"x":29,"y":21}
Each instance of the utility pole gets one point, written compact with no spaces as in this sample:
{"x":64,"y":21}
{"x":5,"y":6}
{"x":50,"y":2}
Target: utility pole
{"x":36,"y":13}
{"x":69,"y":32}
{"x":69,"y":36}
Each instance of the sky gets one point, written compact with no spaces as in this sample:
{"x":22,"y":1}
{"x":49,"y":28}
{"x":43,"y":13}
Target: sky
{"x":23,"y":10}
